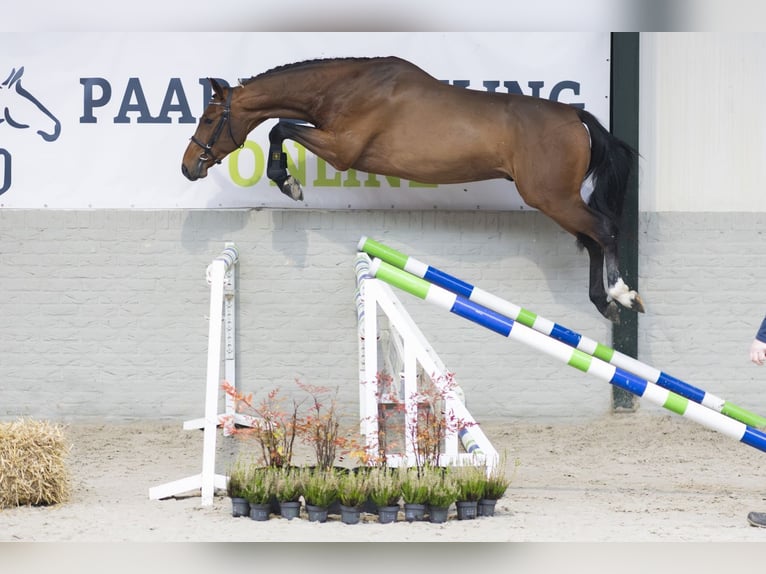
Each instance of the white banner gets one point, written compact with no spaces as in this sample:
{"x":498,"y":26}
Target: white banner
{"x":101,"y":120}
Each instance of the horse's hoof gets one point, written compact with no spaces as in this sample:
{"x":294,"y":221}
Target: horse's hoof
{"x":292,"y":188}
{"x":624,"y":296}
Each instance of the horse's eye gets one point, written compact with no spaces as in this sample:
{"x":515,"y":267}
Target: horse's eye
{"x":207,"y":121}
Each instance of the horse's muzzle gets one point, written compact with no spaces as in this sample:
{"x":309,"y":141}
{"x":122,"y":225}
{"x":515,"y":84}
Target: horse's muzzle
{"x":187,"y":174}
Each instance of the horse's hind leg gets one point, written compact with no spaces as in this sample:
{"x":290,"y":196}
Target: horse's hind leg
{"x":602,"y":240}
{"x":276,"y":168}
{"x":616,"y":287}
{"x":596,"y":291}
{"x":598,"y":235}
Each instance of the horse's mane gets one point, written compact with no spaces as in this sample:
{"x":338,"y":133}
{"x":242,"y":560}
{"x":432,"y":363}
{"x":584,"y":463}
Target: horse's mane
{"x":304,"y":63}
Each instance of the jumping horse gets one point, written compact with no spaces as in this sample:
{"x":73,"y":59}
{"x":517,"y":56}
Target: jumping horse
{"x":389,"y":117}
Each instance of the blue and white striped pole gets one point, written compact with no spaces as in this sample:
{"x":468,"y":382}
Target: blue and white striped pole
{"x":547,"y":327}
{"x":494,"y":321}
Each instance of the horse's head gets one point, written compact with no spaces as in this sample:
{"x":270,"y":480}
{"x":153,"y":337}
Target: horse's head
{"x":218,"y":134}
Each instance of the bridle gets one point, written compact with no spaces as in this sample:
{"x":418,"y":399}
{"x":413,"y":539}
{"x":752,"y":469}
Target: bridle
{"x":207,"y":153}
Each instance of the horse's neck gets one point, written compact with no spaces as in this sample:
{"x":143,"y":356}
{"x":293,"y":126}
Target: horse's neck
{"x":296,"y":95}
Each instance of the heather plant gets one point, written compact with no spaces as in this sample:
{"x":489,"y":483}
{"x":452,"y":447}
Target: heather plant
{"x":319,"y":487}
{"x":442,"y":490}
{"x":414,"y":485}
{"x":288,"y":485}
{"x":385,"y":488}
{"x":353,"y":489}
{"x":470,"y":480}
{"x":260,"y":485}
{"x":498,"y":480}
{"x":235,"y":487}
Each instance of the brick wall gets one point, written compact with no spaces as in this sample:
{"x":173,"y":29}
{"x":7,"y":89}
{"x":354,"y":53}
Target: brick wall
{"x":103,"y":313}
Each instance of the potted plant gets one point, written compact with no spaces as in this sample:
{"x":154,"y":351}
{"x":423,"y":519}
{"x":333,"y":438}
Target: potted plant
{"x":414,"y":490}
{"x":352,"y":493}
{"x":259,"y":489}
{"x":320,"y":490}
{"x":385,"y":492}
{"x":235,"y":488}
{"x":442,"y":492}
{"x":470,"y":481}
{"x":288,"y":492}
{"x":495,"y":486}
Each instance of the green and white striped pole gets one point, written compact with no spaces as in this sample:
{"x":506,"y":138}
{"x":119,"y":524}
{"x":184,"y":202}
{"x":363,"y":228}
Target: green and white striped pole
{"x":494,"y":321}
{"x":547,"y":327}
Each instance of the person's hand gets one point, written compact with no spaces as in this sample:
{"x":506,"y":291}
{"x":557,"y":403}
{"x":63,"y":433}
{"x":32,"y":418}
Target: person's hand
{"x":758,"y":352}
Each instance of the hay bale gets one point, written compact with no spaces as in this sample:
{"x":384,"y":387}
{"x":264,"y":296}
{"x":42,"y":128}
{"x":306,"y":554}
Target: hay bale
{"x":33,"y":464}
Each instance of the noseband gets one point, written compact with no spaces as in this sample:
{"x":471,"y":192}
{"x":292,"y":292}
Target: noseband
{"x":207,"y":148}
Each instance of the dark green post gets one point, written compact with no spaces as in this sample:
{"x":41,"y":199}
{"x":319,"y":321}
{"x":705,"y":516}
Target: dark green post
{"x":624,"y":124}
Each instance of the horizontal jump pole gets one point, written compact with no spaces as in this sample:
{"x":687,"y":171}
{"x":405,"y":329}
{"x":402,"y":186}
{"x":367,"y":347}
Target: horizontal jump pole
{"x":563,"y":334}
{"x":616,"y":376}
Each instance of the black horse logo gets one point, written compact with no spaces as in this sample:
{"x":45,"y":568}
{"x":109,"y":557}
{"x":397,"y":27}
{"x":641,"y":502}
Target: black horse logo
{"x":21,"y":110}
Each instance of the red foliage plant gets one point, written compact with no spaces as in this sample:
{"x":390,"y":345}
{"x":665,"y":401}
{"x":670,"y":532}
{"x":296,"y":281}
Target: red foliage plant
{"x":273,"y":426}
{"x":425,"y":427}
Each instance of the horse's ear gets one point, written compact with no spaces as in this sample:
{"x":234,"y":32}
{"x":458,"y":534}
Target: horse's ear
{"x":217,"y":88}
{"x":14,"y":76}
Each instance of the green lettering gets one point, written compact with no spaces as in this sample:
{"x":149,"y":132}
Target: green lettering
{"x":418,"y":184}
{"x":351,"y":179}
{"x":258,"y":165}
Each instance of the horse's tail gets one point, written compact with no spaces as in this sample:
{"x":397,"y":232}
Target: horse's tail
{"x":611,"y":163}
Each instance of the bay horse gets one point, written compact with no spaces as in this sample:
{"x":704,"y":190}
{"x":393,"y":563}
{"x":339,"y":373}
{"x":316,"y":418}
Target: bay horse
{"x":387,"y":116}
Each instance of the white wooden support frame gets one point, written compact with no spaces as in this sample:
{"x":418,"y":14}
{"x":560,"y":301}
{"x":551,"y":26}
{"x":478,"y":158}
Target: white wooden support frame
{"x":221,"y":278}
{"x":371,"y":294}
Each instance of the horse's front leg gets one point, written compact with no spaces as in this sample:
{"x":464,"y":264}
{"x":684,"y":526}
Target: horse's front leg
{"x":276,"y":168}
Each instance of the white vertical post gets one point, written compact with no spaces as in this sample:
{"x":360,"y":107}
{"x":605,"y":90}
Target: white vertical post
{"x":411,"y":395}
{"x":216,"y":273}
{"x":207,"y":480}
{"x":369,"y":387}
{"x":229,"y":338}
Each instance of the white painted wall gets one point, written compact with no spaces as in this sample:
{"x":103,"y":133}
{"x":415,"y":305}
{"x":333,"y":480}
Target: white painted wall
{"x":702,"y":121}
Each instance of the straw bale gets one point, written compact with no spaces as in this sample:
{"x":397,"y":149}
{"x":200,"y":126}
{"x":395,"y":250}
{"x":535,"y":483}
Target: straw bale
{"x":33,"y":467}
